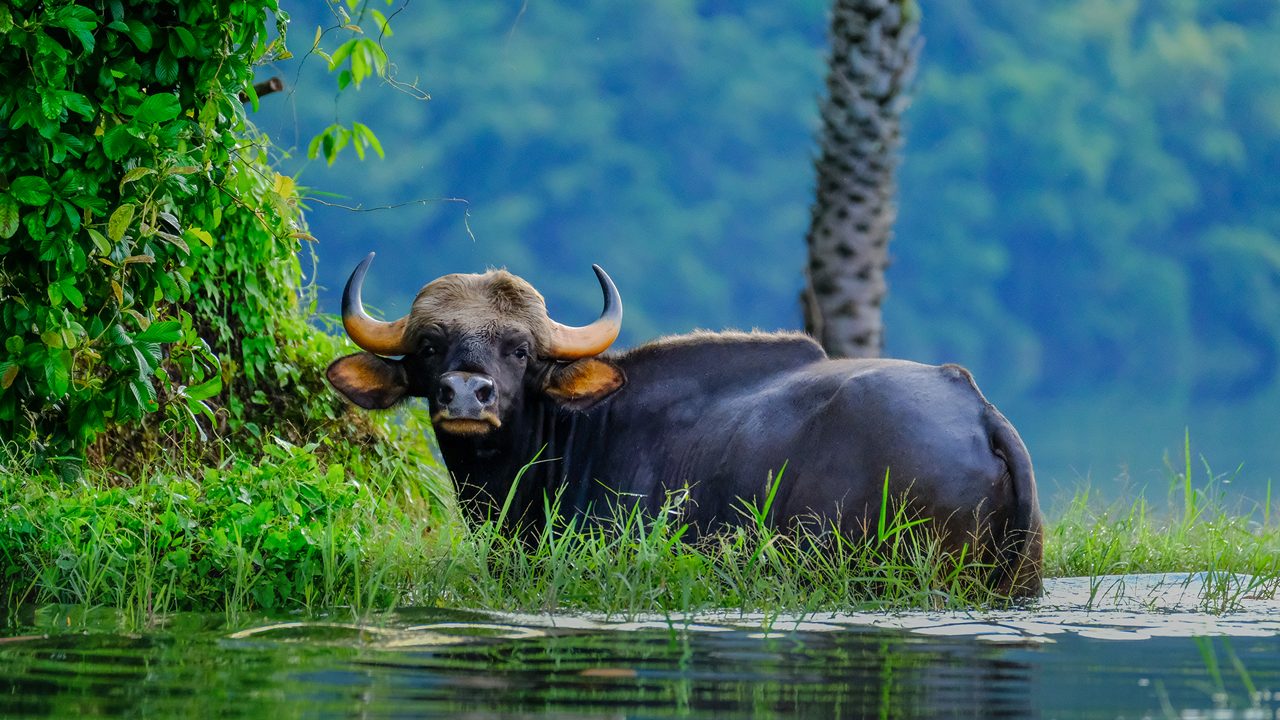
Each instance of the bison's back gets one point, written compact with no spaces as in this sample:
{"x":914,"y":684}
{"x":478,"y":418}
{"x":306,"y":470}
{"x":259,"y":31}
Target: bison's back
{"x":833,"y":429}
{"x":840,"y":425}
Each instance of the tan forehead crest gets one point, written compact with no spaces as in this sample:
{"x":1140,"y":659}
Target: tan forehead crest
{"x":481,"y":300}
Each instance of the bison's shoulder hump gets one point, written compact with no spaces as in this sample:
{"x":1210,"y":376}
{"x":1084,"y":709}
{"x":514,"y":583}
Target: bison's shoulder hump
{"x":732,"y":358}
{"x":769,"y":348}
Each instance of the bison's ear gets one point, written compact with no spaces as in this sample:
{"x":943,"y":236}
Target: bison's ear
{"x":372,"y":382}
{"x":580,"y":384}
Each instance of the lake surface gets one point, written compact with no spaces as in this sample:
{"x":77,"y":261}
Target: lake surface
{"x":1133,"y":647}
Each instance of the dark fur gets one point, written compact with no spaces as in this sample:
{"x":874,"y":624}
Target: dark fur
{"x":719,"y":414}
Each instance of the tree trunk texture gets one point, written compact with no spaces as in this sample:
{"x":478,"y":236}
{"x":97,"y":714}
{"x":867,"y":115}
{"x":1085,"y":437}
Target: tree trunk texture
{"x":874,"y":44}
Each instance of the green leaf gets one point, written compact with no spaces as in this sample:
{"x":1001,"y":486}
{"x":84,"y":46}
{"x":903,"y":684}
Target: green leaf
{"x":202,"y":235}
{"x":140,"y":34}
{"x":161,"y":107}
{"x":363,"y":132}
{"x":8,"y":216}
{"x":79,"y":104}
{"x":86,"y":39}
{"x":100,"y":242}
{"x":119,"y":222}
{"x":117,"y":142}
{"x":384,"y":28}
{"x":166,"y":69}
{"x":31,"y":190}
{"x":167,"y":331}
{"x":120,"y":336}
{"x":57,"y":372}
{"x":341,"y":54}
{"x":186,"y":38}
{"x":50,"y":104}
{"x":206,"y":389}
{"x":133,"y":175}
{"x":72,"y":293}
{"x":148,"y":357}
{"x":144,"y":392}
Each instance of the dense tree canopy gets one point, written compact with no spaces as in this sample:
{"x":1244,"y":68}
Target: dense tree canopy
{"x":1105,"y":215}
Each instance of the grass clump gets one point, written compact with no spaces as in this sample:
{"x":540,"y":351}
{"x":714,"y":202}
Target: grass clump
{"x":632,"y":566}
{"x":1095,"y":538}
{"x":299,"y":527}
{"x":1195,"y":529}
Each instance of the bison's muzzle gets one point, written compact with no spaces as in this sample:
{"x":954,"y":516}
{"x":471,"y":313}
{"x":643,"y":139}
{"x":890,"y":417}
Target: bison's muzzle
{"x":467,"y":404}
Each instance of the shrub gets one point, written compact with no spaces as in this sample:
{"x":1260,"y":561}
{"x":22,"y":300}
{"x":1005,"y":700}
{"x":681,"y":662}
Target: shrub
{"x":150,"y":253}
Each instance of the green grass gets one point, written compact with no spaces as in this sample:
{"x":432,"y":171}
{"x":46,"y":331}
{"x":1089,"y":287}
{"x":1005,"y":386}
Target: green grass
{"x":296,"y":526}
{"x":1194,"y":527}
{"x":314,"y":527}
{"x":637,"y":566}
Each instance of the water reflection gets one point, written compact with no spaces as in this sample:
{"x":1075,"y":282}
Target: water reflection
{"x":481,"y":668}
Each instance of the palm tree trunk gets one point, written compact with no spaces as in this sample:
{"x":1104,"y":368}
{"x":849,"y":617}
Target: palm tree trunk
{"x":874,"y":44}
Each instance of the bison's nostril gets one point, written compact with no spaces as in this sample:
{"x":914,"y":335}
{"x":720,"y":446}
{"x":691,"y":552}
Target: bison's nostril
{"x":445,"y":396}
{"x":484,"y":394}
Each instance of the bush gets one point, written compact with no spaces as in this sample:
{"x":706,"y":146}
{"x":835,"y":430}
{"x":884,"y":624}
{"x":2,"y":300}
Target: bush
{"x":150,"y":252}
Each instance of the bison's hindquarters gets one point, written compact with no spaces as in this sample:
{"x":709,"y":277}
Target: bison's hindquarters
{"x":1020,"y":553}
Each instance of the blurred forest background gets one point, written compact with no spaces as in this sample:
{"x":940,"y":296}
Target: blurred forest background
{"x":1089,"y":195}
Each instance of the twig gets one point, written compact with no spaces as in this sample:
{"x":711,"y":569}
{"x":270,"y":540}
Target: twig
{"x":266,"y":87}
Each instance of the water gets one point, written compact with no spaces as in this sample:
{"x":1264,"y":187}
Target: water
{"x":1140,"y":648}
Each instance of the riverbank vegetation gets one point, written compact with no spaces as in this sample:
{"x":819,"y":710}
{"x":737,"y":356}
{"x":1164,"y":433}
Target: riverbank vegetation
{"x":1196,"y":526}
{"x":316,"y":527}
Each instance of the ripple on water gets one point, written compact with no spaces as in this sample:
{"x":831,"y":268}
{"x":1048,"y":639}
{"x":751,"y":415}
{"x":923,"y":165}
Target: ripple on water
{"x":1062,"y":656}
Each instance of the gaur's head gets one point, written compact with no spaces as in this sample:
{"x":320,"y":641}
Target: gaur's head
{"x":476,"y":346}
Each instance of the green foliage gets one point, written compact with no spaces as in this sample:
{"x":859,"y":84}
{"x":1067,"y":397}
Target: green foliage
{"x":127,"y":151}
{"x":292,"y":530}
{"x":285,"y":529}
{"x":355,"y":60}
{"x":151,"y":263}
{"x":327,"y":524}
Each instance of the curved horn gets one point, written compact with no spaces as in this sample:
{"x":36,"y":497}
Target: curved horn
{"x":376,"y":336}
{"x":571,"y":343}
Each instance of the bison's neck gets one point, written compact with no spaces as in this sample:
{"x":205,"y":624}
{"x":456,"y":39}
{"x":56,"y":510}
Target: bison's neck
{"x":545,"y":447}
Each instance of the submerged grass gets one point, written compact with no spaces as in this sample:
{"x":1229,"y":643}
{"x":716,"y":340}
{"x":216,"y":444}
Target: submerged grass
{"x":311,"y":528}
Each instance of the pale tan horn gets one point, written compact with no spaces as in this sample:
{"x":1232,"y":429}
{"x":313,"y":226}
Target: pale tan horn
{"x":376,"y":336}
{"x":571,"y":343}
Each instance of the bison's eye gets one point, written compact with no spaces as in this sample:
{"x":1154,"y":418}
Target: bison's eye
{"x":521,"y":353}
{"x":428,"y":350}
